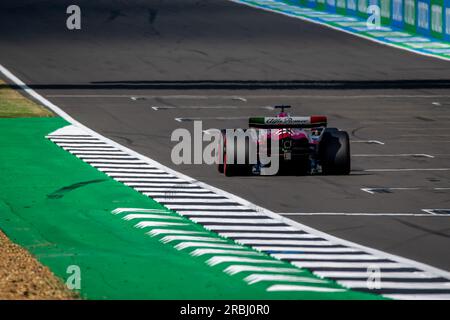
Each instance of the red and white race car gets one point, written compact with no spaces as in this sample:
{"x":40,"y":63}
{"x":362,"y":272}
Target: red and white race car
{"x":303,"y":145}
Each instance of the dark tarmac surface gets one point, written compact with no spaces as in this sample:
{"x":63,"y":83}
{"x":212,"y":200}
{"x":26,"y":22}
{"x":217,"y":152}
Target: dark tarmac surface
{"x":138,"y":66}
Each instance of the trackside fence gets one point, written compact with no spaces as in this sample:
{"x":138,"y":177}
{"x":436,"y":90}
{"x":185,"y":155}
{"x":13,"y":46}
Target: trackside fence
{"x":430,"y":18}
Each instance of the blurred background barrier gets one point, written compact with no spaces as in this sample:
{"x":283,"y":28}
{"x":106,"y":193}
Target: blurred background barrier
{"x":429,"y":18}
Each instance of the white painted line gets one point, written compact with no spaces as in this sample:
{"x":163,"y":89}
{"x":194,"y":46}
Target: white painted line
{"x":210,"y":118}
{"x":227,"y":259}
{"x":136,"y":185}
{"x":89,"y":141}
{"x":82,"y":145}
{"x":267,"y":235}
{"x":211,"y":131}
{"x":146,"y":224}
{"x":98,"y":153}
{"x":169,"y":195}
{"x":128,"y":170}
{"x":234,"y":221}
{"x":256,"y":278}
{"x":345,"y":97}
{"x":149,"y":182}
{"x":263,"y":96}
{"x":271,"y":242}
{"x":197,"y":207}
{"x":397,"y":285}
{"x":248,"y":228}
{"x":368,"y":141}
{"x":108,"y":157}
{"x":433,"y":212}
{"x":216,"y":213}
{"x":407,"y":169}
{"x":425,"y":135}
{"x":76,"y":149}
{"x":109,"y":161}
{"x":293,"y":288}
{"x":174,"y":190}
{"x":380,"y":214}
{"x":345,"y":265}
{"x":151,"y":178}
{"x":235,"y":269}
{"x":107,"y":166}
{"x":415,"y":155}
{"x":374,"y":190}
{"x":138,"y":175}
{"x":304,"y":249}
{"x":143,"y":97}
{"x":426,"y":141}
{"x":211,"y":107}
{"x":433,"y":296}
{"x":325,"y":256}
{"x":190,"y":201}
{"x":157,"y":108}
{"x":266,"y":96}
{"x":354,"y":274}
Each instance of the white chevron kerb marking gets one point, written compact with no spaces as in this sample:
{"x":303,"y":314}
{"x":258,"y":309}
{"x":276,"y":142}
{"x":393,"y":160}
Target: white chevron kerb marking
{"x":168,"y":239}
{"x":235,"y":269}
{"x":157,"y":232}
{"x":227,"y":259}
{"x":260,"y":277}
{"x":201,"y":252}
{"x":122,"y":210}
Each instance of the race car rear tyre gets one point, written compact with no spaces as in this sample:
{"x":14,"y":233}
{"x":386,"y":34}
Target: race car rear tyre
{"x":302,"y":166}
{"x":334,"y":152}
{"x":235,"y":169}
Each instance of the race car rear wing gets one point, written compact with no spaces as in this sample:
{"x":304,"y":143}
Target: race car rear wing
{"x":287,"y":122}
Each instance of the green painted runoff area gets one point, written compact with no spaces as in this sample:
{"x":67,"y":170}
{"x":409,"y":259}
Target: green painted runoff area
{"x":59,"y":208}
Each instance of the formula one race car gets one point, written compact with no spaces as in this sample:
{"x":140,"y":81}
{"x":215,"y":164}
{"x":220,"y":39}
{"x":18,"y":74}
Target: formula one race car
{"x":301,"y":145}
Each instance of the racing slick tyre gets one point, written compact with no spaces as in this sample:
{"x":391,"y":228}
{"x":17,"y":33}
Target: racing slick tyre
{"x":302,"y":166}
{"x":230,"y":167}
{"x":334,"y":152}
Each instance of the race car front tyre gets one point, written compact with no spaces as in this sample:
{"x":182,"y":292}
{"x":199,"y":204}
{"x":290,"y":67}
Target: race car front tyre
{"x":334,"y":152}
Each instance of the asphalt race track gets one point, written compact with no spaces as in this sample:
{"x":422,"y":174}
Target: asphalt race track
{"x":140,"y":69}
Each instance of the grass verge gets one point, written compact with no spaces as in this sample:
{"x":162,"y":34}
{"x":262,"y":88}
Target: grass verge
{"x":21,"y":275}
{"x":15,"y":105}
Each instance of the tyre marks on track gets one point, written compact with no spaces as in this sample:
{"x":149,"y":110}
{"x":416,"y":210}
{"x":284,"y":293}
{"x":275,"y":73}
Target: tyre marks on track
{"x":248,"y":225}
